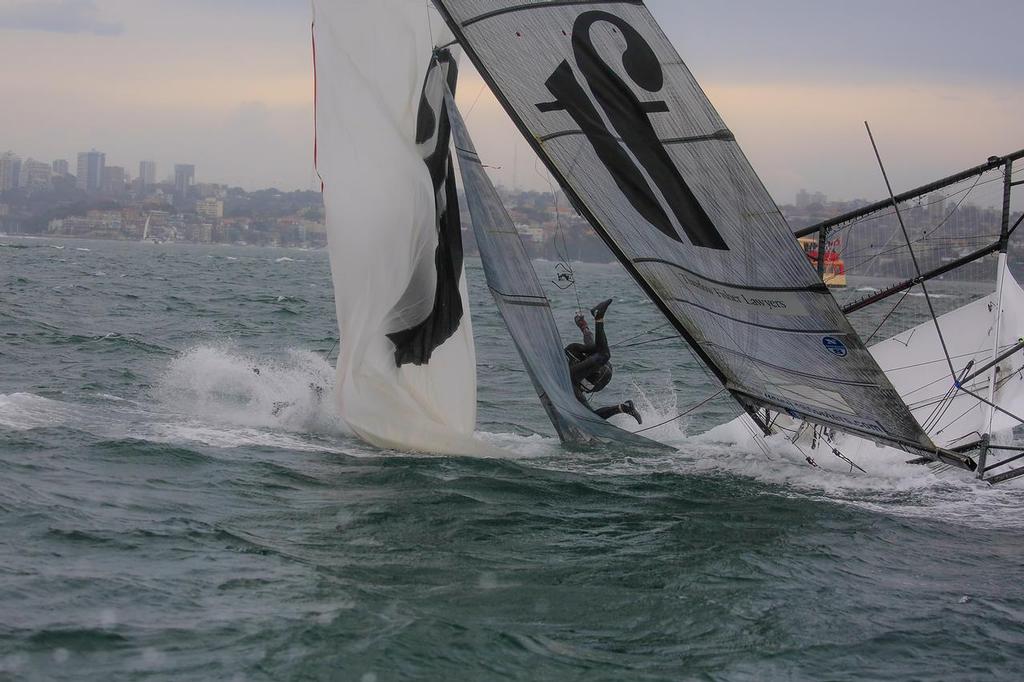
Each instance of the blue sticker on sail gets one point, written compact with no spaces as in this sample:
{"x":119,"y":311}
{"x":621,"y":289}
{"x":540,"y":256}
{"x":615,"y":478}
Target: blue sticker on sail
{"x":834,"y":346}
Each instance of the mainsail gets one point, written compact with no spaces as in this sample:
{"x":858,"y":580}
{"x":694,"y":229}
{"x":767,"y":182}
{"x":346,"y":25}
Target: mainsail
{"x":523,"y":304}
{"x":406,"y":367}
{"x":609,"y":106}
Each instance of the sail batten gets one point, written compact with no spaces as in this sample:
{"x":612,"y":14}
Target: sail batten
{"x":541,"y":4}
{"x":608,"y":105}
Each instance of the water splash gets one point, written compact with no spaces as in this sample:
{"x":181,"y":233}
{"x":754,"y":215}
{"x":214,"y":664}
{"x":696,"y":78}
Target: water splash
{"x":223,"y":385}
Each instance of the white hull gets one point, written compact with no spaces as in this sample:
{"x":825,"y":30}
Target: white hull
{"x":916,"y":365}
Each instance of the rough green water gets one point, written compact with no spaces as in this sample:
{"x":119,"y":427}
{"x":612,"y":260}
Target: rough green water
{"x":160,"y":519}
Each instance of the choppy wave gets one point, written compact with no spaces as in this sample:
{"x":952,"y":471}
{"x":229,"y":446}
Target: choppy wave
{"x":168,"y":512}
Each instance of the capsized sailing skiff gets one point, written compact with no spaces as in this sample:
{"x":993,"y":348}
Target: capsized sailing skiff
{"x":608,"y":105}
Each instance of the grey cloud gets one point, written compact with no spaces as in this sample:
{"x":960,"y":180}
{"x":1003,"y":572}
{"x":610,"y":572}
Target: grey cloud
{"x":56,"y":16}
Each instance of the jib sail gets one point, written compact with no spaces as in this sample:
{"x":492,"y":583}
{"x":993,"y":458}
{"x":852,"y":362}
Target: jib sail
{"x":522,"y":302}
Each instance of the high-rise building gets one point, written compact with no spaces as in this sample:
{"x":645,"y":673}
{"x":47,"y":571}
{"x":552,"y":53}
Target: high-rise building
{"x":210,"y":208}
{"x":803,"y":199}
{"x":35,"y":174}
{"x":90,"y":170}
{"x":936,"y":204}
{"x":184,"y":178}
{"x":113,"y":180}
{"x":61,"y":167}
{"x":10,"y":171}
{"x":147,"y":173}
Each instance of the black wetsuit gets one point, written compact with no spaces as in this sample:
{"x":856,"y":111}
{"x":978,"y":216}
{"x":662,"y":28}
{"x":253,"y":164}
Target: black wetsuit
{"x":590,"y":368}
{"x":590,"y":362}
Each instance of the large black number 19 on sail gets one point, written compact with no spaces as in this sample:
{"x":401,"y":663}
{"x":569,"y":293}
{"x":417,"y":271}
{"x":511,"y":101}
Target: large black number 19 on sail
{"x":629,"y":117}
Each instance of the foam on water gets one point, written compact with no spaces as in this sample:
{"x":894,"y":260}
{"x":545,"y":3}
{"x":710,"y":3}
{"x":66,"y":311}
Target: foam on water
{"x":218,"y":389}
{"x":215,"y":396}
{"x":889,"y":484}
{"x":175,"y":512}
{"x":221,"y":385}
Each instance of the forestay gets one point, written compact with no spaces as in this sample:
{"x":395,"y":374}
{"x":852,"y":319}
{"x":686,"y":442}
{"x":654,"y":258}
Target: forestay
{"x":607,"y":103}
{"x":522,"y":302}
{"x":406,"y":366}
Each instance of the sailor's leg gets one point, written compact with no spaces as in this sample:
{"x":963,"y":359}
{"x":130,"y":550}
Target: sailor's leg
{"x":600,"y":339}
{"x":625,"y":408}
{"x":599,"y":356}
{"x":610,"y":411}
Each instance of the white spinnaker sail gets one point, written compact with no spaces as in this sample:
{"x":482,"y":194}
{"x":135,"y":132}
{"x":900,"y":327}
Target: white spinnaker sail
{"x":371,"y":62}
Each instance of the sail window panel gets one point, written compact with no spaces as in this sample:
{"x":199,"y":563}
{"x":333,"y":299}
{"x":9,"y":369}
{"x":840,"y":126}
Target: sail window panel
{"x":750,"y":356}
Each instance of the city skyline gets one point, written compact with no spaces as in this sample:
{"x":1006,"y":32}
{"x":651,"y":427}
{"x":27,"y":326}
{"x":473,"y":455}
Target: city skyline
{"x":17,"y":171}
{"x":794,"y":81}
{"x":89,"y":168}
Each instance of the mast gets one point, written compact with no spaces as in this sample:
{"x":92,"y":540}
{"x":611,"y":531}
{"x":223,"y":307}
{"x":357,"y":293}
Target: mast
{"x":1004,"y":234}
{"x":822,"y":239}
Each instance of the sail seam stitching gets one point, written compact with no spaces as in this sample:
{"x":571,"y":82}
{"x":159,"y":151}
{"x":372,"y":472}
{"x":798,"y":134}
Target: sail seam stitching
{"x":724,"y":135}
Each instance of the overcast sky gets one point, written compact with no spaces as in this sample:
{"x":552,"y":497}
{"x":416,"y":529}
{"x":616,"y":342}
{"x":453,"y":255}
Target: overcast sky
{"x":227,"y":85}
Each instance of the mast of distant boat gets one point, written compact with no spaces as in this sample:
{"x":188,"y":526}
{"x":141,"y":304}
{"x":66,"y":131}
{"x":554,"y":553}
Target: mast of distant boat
{"x":1004,"y":238}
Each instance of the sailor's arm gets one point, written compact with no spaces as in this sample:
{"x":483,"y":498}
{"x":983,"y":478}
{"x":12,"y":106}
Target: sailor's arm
{"x":588,"y":336}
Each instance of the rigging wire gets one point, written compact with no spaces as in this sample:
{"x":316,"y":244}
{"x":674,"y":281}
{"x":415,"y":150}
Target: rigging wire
{"x":818,"y":435}
{"x":477,"y":99}
{"x":637,"y":336}
{"x":888,"y":315}
{"x":940,"y":408}
{"x":913,"y":256}
{"x":685,"y":412}
{"x":757,"y":437}
{"x":564,"y":269}
{"x":885,"y":213}
{"x":849,"y":227}
{"x":899,"y":216}
{"x":674,"y":337}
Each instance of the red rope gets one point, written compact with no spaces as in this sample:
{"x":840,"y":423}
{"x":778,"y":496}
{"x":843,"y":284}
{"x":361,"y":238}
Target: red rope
{"x":316,"y":154}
